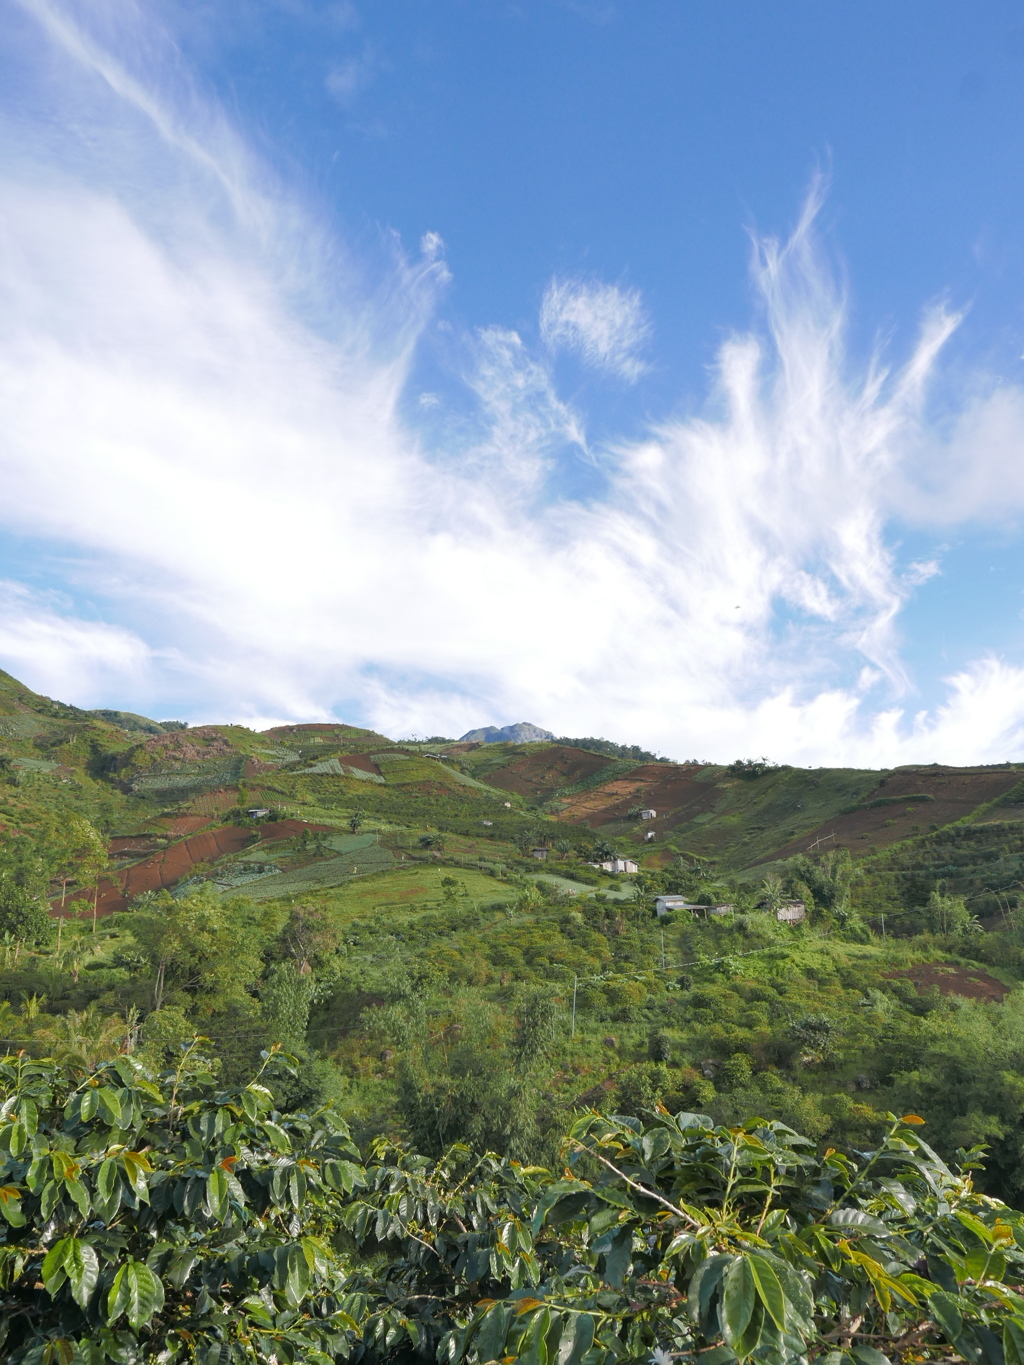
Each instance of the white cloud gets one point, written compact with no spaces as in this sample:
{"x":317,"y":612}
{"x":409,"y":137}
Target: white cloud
{"x":61,"y":656}
{"x":431,"y":245}
{"x":605,"y":325}
{"x":349,"y":78}
{"x":200,"y":401}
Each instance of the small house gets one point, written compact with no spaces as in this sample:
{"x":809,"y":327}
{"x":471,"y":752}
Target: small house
{"x":540,"y":854}
{"x":648,"y":814}
{"x":617,"y":865}
{"x":791,"y":912}
{"x":663,"y":904}
{"x":258,"y":812}
{"x":649,"y":836}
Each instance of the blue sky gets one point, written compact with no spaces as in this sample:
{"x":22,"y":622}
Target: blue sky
{"x":650,"y":371}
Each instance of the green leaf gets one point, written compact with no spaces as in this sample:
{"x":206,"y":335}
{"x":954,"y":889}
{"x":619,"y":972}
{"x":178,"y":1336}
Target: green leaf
{"x":279,"y":1139}
{"x":53,"y":1271}
{"x":49,"y":1198}
{"x":297,"y":1186}
{"x":576,"y":1340}
{"x":945,"y":1313}
{"x":855,"y":1220}
{"x":867,"y":1355}
{"x":217,"y":1194}
{"x":10,"y":1205}
{"x":136,"y":1167}
{"x":533,"y":1344}
{"x":1013,"y":1341}
{"x":975,"y":1225}
{"x":618,"y":1256}
{"x":490,"y":1338}
{"x":82,"y":1268}
{"x":180,"y":1266}
{"x":28,"y":1113}
{"x":110,"y":1106}
{"x":107,"y":1197}
{"x":738,"y":1299}
{"x":704,"y":1284}
{"x":769,"y":1290}
{"x":58,"y":1351}
{"x":296,"y":1283}
{"x":568,"y":1207}
{"x":746,"y":1343}
{"x":76,"y":1189}
{"x":137,"y":1293}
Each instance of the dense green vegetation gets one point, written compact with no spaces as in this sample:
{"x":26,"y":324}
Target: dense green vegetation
{"x":156,"y":1216}
{"x":422,"y":927}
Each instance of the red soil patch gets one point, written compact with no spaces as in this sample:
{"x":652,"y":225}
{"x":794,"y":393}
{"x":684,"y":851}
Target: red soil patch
{"x":542,"y":773}
{"x":969,"y":982}
{"x":956,"y":792}
{"x":670,"y":789}
{"x":361,"y":761}
{"x":169,"y":865}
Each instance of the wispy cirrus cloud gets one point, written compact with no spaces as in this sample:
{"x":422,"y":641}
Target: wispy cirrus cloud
{"x":607,"y":327}
{"x":347,"y":80}
{"x":201,"y":407}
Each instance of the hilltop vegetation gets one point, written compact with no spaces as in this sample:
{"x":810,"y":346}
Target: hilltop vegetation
{"x":423,"y":927}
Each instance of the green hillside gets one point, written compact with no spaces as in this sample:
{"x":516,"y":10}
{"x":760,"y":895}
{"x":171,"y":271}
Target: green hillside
{"x":424,"y":927}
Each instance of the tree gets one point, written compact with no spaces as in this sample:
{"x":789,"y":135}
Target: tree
{"x":75,"y":847}
{"x":23,"y":915}
{"x":829,"y":878}
{"x":771,"y":892}
{"x":309,"y":938}
{"x":23,"y":884}
{"x":355,"y":823}
{"x":750,"y":769}
{"x":947,"y":914}
{"x":204,"y":945}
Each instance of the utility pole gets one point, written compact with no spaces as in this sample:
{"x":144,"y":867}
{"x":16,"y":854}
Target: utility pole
{"x":575,"y":981}
{"x":883,"y":927}
{"x":663,"y":950}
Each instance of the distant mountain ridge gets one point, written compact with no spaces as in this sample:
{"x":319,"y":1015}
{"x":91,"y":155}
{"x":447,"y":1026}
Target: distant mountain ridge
{"x":521,"y":733}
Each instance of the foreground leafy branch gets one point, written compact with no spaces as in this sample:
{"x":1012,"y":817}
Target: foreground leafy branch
{"x":159,"y":1218}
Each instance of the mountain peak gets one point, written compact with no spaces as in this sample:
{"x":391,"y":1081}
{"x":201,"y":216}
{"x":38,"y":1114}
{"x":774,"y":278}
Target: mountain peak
{"x":521,"y":733}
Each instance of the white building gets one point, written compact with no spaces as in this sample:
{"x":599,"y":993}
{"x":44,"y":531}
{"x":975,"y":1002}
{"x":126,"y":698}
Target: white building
{"x":791,"y":912}
{"x":648,"y":814}
{"x":663,"y":904}
{"x":617,"y":865}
